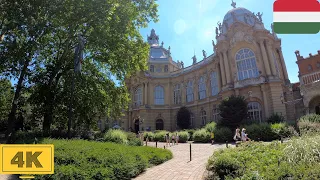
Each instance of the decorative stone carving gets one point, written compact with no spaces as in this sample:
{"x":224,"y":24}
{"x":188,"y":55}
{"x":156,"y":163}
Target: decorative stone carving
{"x":251,"y":81}
{"x":220,"y":27}
{"x":182,"y":65}
{"x":214,"y":45}
{"x":248,"y":38}
{"x":217,"y":31}
{"x":233,"y":4}
{"x":194,"y":58}
{"x":250,"y":94}
{"x":204,"y":54}
{"x":259,"y":15}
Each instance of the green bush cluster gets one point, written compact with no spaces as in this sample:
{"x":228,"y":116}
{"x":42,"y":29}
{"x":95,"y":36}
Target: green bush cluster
{"x":223,"y":134}
{"x":160,"y":136}
{"x":201,"y":136}
{"x":275,"y":118}
{"x":297,"y":159}
{"x":81,"y":160}
{"x":122,"y":137}
{"x":309,"y":124}
{"x":183,"y":136}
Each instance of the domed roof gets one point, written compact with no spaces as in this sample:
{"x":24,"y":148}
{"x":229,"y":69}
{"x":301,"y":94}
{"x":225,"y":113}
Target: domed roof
{"x":238,"y":15}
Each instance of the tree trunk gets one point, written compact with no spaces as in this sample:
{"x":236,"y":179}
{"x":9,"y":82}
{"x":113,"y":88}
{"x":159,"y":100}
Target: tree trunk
{"x":10,"y":134}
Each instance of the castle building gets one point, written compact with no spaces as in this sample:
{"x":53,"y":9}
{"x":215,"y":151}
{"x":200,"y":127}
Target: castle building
{"x":247,"y":60}
{"x":309,"y":84}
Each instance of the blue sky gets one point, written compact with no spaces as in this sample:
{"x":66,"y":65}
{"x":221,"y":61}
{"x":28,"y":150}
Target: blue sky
{"x":188,"y":25}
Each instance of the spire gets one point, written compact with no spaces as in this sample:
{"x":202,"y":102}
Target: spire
{"x":153,"y":39}
{"x":233,"y":4}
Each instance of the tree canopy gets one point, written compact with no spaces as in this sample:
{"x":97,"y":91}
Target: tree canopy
{"x":38,"y":48}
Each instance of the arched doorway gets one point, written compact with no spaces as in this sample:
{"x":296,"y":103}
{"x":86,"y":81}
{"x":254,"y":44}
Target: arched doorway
{"x":314,"y":105}
{"x":159,"y":124}
{"x":136,"y":126}
{"x":318,"y":109}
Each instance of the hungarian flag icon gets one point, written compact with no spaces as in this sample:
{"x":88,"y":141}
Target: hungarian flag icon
{"x":296,"y":16}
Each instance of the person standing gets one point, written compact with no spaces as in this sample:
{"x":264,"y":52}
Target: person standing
{"x":237,"y":136}
{"x":167,"y":139}
{"x":212,"y":138}
{"x":177,"y":138}
{"x":173,"y":139}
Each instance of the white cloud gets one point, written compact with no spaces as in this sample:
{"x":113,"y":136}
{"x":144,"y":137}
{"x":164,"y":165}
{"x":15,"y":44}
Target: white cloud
{"x":180,"y":26}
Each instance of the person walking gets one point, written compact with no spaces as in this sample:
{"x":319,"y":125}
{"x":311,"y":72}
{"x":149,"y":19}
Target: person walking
{"x":173,"y":139}
{"x":212,"y":138}
{"x":237,"y":136}
{"x":177,"y":138}
{"x":244,"y":135}
{"x":167,"y":139}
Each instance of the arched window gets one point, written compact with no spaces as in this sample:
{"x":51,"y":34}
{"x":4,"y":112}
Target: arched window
{"x":309,"y":67}
{"x":159,"y":124}
{"x":215,"y":114}
{"x":246,"y":64}
{"x":276,"y":64}
{"x":159,"y":95}
{"x":166,"y":68}
{"x":191,"y":119}
{"x":152,"y":68}
{"x":190,"y":91}
{"x":138,"y":97}
{"x":202,"y":88}
{"x":177,"y":94}
{"x":214,"y":84}
{"x":203,"y":117}
{"x":255,"y":111}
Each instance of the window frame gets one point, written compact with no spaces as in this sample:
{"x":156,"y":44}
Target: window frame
{"x":246,"y":62}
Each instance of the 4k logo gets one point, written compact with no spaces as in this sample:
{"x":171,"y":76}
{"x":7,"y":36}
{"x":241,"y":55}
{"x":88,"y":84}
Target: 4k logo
{"x":31,"y":158}
{"x":26,"y":159}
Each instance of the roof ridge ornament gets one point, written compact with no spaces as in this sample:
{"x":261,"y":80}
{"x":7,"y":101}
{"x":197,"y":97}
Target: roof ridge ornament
{"x":233,"y":4}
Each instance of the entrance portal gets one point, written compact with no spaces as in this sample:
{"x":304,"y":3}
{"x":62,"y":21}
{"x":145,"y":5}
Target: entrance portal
{"x":159,"y":124}
{"x":136,"y":126}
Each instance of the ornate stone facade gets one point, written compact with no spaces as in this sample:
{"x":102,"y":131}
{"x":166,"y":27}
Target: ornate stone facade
{"x":247,"y":61}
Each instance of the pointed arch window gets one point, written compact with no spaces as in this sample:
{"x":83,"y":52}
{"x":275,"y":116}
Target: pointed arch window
{"x":214,"y":84}
{"x":138,"y":96}
{"x":190,"y":91}
{"x":159,"y":95}
{"x":203,"y":117}
{"x":255,"y":111}
{"x":202,"y":88}
{"x":177,"y":94}
{"x":246,"y":64}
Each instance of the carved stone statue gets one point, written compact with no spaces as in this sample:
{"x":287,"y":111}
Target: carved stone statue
{"x":182,"y":65}
{"x":162,"y":44}
{"x":233,"y":4}
{"x":272,"y":30}
{"x":220,"y":27}
{"x":169,"y":49}
{"x":204,"y":54}
{"x":259,"y":15}
{"x":217,"y":31}
{"x":194,"y":58}
{"x":214,"y":45}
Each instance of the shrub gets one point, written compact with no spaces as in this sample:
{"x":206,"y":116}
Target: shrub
{"x":201,"y":135}
{"x":116,"y":136}
{"x":233,"y":110}
{"x":275,"y":118}
{"x":223,"y":134}
{"x":150,"y":135}
{"x":191,"y":131}
{"x":261,"y":132}
{"x":133,"y":140}
{"x":310,"y":118}
{"x":282,"y":130}
{"x":183,"y":136}
{"x":211,"y":127}
{"x":80,"y":159}
{"x":160,"y":136}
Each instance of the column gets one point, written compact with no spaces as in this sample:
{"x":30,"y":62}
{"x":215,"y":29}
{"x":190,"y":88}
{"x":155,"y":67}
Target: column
{"x":265,"y":58}
{"x":265,"y":103}
{"x":283,"y":64}
{"x":271,"y":58}
{"x":227,"y":67}
{"x":223,"y":74}
{"x":145,"y":94}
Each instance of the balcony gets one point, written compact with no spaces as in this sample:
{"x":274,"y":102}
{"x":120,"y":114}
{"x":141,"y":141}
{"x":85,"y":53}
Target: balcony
{"x":248,"y":82}
{"x":310,"y":78}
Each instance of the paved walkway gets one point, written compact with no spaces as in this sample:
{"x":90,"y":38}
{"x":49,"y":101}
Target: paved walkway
{"x":180,"y":166}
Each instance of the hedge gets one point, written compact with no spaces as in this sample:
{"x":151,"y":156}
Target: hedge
{"x":81,"y":159}
{"x":296,"y":159}
{"x":201,"y":136}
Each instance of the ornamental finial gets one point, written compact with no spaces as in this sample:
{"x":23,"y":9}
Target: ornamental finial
{"x":233,"y":4}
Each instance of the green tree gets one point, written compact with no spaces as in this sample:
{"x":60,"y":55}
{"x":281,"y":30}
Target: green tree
{"x":183,"y":118}
{"x":6,"y":96}
{"x":233,"y":110}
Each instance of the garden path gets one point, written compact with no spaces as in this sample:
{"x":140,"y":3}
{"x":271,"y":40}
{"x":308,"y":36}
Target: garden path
{"x":180,"y":166}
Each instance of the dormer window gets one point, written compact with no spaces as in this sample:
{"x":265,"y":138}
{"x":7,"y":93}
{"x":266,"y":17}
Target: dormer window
{"x":151,"y":68}
{"x":166,"y":68}
{"x":309,"y":67}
